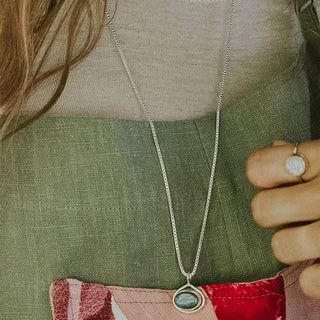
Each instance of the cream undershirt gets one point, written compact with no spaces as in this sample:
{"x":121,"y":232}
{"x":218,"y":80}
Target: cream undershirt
{"x":175,"y":49}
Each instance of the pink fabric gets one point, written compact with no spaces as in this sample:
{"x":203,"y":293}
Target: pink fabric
{"x":299,"y":306}
{"x":75,"y":300}
{"x":279,"y":298}
{"x":97,"y":302}
{"x":154,"y":304}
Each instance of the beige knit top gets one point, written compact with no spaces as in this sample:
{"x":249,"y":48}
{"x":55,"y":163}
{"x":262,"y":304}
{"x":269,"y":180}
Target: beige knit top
{"x":175,"y":50}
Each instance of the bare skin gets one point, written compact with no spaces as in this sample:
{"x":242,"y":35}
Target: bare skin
{"x":290,"y":206}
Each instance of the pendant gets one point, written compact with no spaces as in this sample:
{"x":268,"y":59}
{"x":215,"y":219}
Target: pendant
{"x":188,"y":299}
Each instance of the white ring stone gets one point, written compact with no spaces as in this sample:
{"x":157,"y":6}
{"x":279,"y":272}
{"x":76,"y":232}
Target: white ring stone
{"x":295,"y":165}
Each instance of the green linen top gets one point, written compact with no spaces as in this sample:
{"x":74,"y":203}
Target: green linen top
{"x":84,"y":198}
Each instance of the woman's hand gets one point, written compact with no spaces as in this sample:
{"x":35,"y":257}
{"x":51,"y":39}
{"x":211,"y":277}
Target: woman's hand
{"x":291,"y":206}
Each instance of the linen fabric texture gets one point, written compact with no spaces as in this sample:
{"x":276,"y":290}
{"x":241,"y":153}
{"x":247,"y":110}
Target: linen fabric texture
{"x":84,"y":198}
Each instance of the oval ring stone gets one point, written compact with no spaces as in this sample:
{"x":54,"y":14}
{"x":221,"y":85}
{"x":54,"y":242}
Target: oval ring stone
{"x":295,"y":165}
{"x":186,"y":300}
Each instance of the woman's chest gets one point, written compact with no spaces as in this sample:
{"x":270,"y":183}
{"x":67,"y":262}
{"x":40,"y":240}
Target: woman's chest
{"x":175,"y":51}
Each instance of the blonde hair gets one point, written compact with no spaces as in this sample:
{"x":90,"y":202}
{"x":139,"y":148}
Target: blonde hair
{"x":24,"y":27}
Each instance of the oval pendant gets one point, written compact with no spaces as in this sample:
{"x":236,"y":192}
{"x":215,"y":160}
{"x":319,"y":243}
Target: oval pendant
{"x":188,"y":299}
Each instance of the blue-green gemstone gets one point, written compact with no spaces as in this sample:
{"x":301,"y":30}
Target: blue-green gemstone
{"x":186,"y":300}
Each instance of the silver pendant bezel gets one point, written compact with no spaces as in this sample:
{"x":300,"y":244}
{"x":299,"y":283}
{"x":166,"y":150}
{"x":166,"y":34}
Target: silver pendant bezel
{"x":189,"y":288}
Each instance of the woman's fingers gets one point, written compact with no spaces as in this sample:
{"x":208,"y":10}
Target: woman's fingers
{"x":284,"y":201}
{"x":279,"y":143}
{"x":266,"y":167}
{"x":276,"y":207}
{"x":296,"y":244}
{"x":310,"y":281}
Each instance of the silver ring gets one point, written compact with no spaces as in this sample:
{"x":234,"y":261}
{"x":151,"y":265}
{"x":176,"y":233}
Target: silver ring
{"x":297,"y":164}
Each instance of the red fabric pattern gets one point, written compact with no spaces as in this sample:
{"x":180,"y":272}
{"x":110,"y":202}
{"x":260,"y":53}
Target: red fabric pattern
{"x":72,"y":299}
{"x":261,"y":300}
{"x":95,"y":302}
{"x":60,"y":299}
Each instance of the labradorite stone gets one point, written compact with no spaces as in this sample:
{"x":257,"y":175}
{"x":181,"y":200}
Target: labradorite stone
{"x":186,"y":300}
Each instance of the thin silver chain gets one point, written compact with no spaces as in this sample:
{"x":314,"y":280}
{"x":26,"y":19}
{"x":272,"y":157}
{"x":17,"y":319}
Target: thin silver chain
{"x":155,"y":139}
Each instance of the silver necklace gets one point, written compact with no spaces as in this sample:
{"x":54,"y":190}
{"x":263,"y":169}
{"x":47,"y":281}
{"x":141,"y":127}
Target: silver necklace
{"x":188,"y":298}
